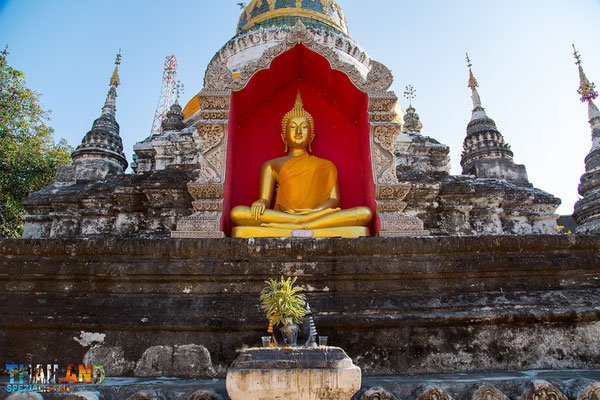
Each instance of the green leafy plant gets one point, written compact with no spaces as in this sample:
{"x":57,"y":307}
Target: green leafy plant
{"x":280,"y":299}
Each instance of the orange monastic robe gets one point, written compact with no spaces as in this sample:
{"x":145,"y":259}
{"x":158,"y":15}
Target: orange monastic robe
{"x":305,"y":181}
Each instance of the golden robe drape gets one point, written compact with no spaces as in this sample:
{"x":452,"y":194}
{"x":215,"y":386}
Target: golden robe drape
{"x":305,"y":181}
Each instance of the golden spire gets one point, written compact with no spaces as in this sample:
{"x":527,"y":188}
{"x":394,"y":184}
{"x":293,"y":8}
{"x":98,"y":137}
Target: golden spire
{"x":114,"y":79}
{"x":472,"y":81}
{"x":587,"y":89}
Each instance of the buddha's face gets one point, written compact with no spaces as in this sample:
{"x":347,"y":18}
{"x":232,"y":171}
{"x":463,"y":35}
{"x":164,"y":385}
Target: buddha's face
{"x":298,"y":134}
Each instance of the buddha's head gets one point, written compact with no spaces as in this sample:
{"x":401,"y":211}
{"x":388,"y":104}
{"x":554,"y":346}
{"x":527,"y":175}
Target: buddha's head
{"x":297,"y":127}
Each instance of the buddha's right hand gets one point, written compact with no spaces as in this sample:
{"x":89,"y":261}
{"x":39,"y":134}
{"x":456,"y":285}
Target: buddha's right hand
{"x":258,"y":208}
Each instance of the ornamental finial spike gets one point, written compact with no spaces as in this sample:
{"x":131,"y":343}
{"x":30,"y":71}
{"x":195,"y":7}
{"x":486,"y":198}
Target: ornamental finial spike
{"x":410,"y":93}
{"x":114,"y":79}
{"x":178,"y":91}
{"x":472,"y":81}
{"x":587,"y":90}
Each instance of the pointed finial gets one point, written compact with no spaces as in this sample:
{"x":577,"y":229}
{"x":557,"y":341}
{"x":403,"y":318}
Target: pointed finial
{"x":472,"y":81}
{"x":410,"y":93}
{"x":298,"y":103}
{"x":178,"y":91}
{"x":114,"y":79}
{"x":587,"y":89}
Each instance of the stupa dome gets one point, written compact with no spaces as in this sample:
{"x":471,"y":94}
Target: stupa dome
{"x":324,"y":14}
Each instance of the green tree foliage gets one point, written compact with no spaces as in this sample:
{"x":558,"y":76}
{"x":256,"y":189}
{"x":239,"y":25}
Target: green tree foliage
{"x":29,"y":157}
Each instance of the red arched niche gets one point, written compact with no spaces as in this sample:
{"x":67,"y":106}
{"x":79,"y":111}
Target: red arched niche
{"x":341,"y":128}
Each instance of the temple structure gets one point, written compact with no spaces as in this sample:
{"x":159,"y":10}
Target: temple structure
{"x":207,"y":160}
{"x":462,"y":273}
{"x":587,"y":209}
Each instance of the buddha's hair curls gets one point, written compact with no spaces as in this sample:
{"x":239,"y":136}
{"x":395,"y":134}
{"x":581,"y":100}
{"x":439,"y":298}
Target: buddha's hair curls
{"x":297,"y":111}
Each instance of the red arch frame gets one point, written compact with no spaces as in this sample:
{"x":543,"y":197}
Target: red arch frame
{"x":341,"y":126}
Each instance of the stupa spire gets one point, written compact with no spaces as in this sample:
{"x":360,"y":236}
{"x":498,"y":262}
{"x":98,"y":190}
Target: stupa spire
{"x":173,"y":121}
{"x":114,"y":79}
{"x":102,"y":144}
{"x":587,"y":210}
{"x":474,"y":85}
{"x":412,"y":122}
{"x":110,"y":106}
{"x":587,"y":89}
{"x":485,"y":153}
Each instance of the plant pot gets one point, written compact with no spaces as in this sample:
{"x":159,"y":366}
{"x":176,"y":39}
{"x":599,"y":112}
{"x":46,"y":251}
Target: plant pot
{"x":289,"y":332}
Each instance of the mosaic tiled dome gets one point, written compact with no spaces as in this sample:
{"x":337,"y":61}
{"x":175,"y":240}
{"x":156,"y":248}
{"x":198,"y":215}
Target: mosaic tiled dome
{"x":324,"y":14}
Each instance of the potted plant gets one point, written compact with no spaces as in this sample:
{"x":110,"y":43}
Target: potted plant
{"x":284,"y":305}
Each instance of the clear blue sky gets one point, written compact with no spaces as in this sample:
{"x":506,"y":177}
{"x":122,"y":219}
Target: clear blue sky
{"x":521,"y":53}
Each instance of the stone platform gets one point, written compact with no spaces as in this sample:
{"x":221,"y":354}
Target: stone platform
{"x":515,"y":385}
{"x":155,"y":307}
{"x":299,"y":373}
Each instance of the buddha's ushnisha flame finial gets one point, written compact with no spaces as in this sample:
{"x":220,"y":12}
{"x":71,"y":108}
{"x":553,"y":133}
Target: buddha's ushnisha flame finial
{"x":472,"y":81}
{"x":114,"y":79}
{"x":587,"y":89}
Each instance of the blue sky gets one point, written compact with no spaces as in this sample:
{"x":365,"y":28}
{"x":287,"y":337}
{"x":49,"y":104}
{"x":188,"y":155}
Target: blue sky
{"x":521,"y":54}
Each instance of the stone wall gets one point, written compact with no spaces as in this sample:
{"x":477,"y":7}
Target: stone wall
{"x":396,"y":305}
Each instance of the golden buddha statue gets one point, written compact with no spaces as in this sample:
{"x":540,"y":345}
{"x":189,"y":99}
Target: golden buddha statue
{"x":306,"y":192}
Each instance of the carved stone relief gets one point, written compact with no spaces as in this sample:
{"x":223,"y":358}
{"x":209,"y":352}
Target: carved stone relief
{"x":201,"y":191}
{"x":543,"y":390}
{"x":592,"y":392}
{"x":488,"y":392}
{"x":385,"y":101}
{"x":434,"y":393}
{"x":377,"y":393}
{"x":218,"y":75}
{"x":275,"y":34}
{"x":213,"y":148}
{"x":204,"y":395}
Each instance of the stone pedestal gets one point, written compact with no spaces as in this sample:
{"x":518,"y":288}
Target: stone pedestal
{"x":293,"y":374}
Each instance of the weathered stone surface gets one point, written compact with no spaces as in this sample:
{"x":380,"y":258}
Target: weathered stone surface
{"x":122,"y":206}
{"x":112,"y":358}
{"x":82,"y":396}
{"x":587,"y":209}
{"x":415,"y":305}
{"x":575,"y":384}
{"x":592,"y":392}
{"x":377,"y":393}
{"x":434,"y":393}
{"x":146,"y":395}
{"x":186,"y":361}
{"x":295,"y":374}
{"x":488,"y":392}
{"x":192,"y":361}
{"x":543,"y":390}
{"x":156,"y":361}
{"x":463,"y":205}
{"x":25,"y":396}
{"x":204,"y":395}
